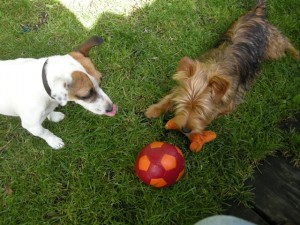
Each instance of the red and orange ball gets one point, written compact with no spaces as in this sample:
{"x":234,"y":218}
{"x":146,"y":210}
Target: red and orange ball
{"x":160,"y":164}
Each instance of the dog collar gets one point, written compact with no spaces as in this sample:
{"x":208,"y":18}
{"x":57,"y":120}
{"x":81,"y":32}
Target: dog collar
{"x":44,"y":77}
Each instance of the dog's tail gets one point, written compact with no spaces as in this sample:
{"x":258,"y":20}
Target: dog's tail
{"x":260,"y":8}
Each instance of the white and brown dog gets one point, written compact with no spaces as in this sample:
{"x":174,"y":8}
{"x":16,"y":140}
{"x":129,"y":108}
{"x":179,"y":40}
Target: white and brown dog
{"x":33,"y":88}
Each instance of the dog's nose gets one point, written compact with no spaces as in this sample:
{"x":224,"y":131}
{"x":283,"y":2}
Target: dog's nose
{"x":186,"y":130}
{"x":109,"y":108}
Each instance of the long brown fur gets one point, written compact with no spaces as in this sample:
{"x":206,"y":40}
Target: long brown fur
{"x":215,"y":83}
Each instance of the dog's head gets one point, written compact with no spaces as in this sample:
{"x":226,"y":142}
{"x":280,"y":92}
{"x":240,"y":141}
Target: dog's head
{"x":84,"y":88}
{"x":78,"y":80}
{"x":201,"y":90}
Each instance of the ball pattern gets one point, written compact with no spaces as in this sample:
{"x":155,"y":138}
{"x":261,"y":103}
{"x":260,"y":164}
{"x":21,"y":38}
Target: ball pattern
{"x":160,"y":164}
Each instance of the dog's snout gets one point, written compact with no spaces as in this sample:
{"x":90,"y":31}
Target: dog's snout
{"x":186,"y":130}
{"x":109,"y":108}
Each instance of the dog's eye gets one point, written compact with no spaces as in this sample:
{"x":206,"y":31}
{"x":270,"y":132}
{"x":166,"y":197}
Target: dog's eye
{"x":89,"y":95}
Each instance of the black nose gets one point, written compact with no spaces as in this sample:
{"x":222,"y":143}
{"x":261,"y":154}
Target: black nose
{"x":186,"y":130}
{"x":109,"y":108}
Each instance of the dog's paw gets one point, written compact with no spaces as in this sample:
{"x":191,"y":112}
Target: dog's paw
{"x":153,"y":112}
{"x":56,"y":116}
{"x":55,"y":142}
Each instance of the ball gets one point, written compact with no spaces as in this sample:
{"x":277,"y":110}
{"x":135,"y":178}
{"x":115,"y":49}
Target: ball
{"x":160,"y":164}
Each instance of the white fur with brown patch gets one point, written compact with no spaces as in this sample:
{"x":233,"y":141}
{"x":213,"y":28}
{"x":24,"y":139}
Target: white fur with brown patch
{"x":71,"y":77}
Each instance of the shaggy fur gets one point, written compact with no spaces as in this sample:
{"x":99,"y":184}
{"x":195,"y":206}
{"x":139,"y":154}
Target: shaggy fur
{"x":215,"y":83}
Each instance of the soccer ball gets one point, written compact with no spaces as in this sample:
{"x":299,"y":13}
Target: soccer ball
{"x":160,"y":164}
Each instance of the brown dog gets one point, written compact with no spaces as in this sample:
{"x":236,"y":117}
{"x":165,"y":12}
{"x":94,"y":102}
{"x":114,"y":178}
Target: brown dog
{"x":214,"y":84}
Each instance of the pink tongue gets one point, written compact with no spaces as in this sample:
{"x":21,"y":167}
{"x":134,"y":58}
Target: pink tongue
{"x":113,"y":112}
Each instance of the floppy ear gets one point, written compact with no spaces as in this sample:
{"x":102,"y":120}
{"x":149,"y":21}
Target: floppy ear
{"x":219,"y":85}
{"x":86,"y":46}
{"x":185,"y":69}
{"x":60,"y":92}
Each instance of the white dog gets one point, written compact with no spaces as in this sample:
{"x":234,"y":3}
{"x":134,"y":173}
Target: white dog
{"x":33,"y":88}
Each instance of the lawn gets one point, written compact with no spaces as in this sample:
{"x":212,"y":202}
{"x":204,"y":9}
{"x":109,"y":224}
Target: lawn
{"x":92,"y":179}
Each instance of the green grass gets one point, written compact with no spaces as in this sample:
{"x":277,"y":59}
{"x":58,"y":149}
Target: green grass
{"x":92,"y":180}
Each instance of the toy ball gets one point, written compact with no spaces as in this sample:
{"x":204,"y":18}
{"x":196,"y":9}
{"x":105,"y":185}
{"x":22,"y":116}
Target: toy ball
{"x":160,"y":164}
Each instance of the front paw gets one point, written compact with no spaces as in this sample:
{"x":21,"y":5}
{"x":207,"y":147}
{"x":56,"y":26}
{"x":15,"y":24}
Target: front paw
{"x":55,"y":142}
{"x":153,"y":112}
{"x":56,"y":116}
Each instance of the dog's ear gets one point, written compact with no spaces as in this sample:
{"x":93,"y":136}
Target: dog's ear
{"x":86,"y":46}
{"x":60,"y":92}
{"x":187,"y":65}
{"x":185,"y":69}
{"x":219,"y":86}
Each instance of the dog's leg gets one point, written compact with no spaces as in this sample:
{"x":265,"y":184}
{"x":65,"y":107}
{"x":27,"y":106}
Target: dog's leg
{"x":164,"y":105}
{"x":278,"y":45}
{"x":56,"y":116}
{"x":37,"y":130}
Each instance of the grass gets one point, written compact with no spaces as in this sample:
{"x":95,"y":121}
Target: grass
{"x":92,"y":180}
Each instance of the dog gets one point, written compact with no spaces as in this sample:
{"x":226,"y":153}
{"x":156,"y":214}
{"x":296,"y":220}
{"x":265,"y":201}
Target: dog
{"x":32,"y":88}
{"x":215,"y":84}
